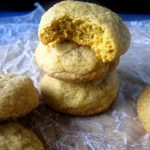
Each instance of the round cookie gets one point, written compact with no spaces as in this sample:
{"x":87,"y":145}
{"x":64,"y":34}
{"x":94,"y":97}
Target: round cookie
{"x":70,"y":62}
{"x":143,"y":108}
{"x":86,"y":24}
{"x":80,"y":98}
{"x":15,"y":137}
{"x":18,"y":96}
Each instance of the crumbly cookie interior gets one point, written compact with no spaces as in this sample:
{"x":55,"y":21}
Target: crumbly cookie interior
{"x":82,"y":32}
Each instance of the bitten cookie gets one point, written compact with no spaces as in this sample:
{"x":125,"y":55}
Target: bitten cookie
{"x":143,"y":108}
{"x":15,"y":137}
{"x":70,"y":62}
{"x":78,"y":98}
{"x":86,"y":24}
{"x":18,"y":96}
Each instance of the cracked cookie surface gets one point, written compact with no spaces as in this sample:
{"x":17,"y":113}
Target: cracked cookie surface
{"x":18,"y":96}
{"x":71,"y":62}
{"x":143,"y":108}
{"x":80,"y":98}
{"x":15,"y":137}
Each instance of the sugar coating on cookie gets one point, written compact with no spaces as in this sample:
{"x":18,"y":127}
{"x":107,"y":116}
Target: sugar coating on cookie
{"x":18,"y":96}
{"x":143,"y":108}
{"x":71,"y":62}
{"x":69,"y":57}
{"x":80,"y":98}
{"x":15,"y":137}
{"x":86,"y":24}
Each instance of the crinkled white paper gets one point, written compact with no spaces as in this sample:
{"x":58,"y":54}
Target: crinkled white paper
{"x":116,"y":129}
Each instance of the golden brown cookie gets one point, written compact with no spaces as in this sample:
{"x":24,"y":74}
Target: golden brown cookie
{"x":86,"y":24}
{"x":18,"y":96}
{"x":80,"y":98}
{"x":15,"y":137}
{"x":70,"y":62}
{"x":143,"y":108}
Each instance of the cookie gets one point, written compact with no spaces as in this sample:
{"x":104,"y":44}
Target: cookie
{"x":15,"y":137}
{"x":80,"y":98}
{"x":18,"y":96}
{"x":86,"y":24}
{"x":143,"y":108}
{"x":70,"y":62}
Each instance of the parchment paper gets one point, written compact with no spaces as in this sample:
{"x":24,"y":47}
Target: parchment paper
{"x":116,"y":129}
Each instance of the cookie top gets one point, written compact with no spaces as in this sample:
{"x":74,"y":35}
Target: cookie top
{"x":18,"y":96}
{"x":143,"y":108}
{"x":15,"y":137}
{"x":72,"y":62}
{"x":80,"y":98}
{"x":86,"y":24}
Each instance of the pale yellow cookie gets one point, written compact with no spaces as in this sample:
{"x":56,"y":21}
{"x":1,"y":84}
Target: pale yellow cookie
{"x":15,"y":137}
{"x":18,"y":96}
{"x":143,"y":108}
{"x":70,"y":62}
{"x":80,"y":98}
{"x":86,"y":24}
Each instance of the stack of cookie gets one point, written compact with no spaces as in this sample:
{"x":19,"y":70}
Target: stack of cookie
{"x":80,"y":46}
